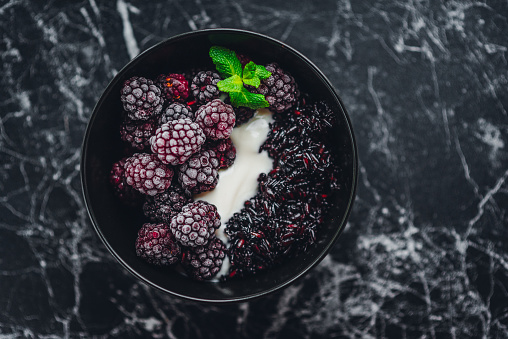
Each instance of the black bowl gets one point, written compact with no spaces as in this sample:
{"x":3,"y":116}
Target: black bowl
{"x":117,"y":225}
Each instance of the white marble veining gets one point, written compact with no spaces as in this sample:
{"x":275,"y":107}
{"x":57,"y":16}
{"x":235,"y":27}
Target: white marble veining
{"x":424,"y":254}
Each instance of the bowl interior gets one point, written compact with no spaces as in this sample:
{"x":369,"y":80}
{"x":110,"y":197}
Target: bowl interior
{"x":117,"y":225}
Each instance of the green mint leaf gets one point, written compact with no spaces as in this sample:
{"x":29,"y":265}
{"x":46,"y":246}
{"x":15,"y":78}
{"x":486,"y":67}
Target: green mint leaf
{"x":262,"y":72}
{"x":251,"y":74}
{"x":249,"y":71}
{"x":248,"y":99}
{"x":253,"y":82}
{"x":225,"y":61}
{"x":232,"y":84}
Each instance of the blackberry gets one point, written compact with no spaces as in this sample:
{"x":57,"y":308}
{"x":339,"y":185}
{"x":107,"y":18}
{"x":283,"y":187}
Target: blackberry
{"x":176,"y":141}
{"x":200,"y":172}
{"x":204,"y":86}
{"x":175,"y":111}
{"x":137,"y":133}
{"x":126,"y":193}
{"x":157,"y":245}
{"x":147,"y":174}
{"x":163,"y":206}
{"x":204,"y":262}
{"x":224,"y":150}
{"x":141,"y":98}
{"x":174,"y":86}
{"x":243,"y":114}
{"x":216,"y":118}
{"x":195,"y":225}
{"x":279,"y":89}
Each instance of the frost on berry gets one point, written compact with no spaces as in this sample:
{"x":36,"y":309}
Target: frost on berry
{"x":157,"y":245}
{"x":126,"y":193}
{"x":162,"y":207}
{"x":147,"y":174}
{"x":279,"y":89}
{"x":200,"y":172}
{"x":175,"y":111}
{"x":224,"y":150}
{"x":137,"y":133}
{"x":204,"y":86}
{"x":195,"y":224}
{"x":204,"y":262}
{"x":141,"y":98}
{"x":173,"y":86}
{"x":217,"y":119}
{"x":176,"y":141}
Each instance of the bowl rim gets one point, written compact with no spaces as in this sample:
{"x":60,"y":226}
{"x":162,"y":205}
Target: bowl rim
{"x":341,"y":223}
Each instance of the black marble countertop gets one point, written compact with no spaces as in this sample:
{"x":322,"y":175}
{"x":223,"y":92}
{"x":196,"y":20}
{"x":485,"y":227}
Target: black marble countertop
{"x":425,"y":252}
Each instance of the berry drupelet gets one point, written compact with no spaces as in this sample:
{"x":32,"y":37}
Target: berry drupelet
{"x":125,"y":192}
{"x":156,"y":244}
{"x":216,"y":118}
{"x":224,"y":150}
{"x":147,"y":174}
{"x":200,"y":172}
{"x":204,"y":262}
{"x":164,"y":206}
{"x":204,"y":86}
{"x":174,"y":87}
{"x":141,"y":98}
{"x":176,"y":141}
{"x":195,"y":225}
{"x":279,"y":89}
{"x":137,"y":133}
{"x":175,"y":111}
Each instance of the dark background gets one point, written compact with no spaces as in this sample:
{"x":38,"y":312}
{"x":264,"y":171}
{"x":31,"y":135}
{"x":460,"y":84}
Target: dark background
{"x":425,"y":253}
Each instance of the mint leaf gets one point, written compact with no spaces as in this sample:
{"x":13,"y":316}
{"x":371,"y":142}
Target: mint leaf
{"x":253,"y":82}
{"x":249,"y":71}
{"x":262,"y":72}
{"x":234,"y":78}
{"x":252,"y":74}
{"x":249,"y":75}
{"x":232,"y":84}
{"x":225,"y":61}
{"x":248,"y":99}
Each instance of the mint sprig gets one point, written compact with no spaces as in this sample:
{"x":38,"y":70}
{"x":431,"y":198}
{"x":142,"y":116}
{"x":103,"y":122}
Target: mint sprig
{"x":248,"y":99}
{"x":225,"y":61}
{"x":235,"y":78}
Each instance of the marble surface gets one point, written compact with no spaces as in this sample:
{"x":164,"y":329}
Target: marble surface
{"x":425,"y":254}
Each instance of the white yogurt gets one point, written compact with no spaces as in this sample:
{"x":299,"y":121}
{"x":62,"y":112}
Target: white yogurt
{"x":238,"y":183}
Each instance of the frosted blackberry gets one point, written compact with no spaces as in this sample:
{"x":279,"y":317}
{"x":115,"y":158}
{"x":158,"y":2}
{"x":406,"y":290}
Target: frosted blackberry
{"x":216,"y":118}
{"x":141,"y":98}
{"x":204,"y":86}
{"x":176,"y":141}
{"x":175,"y":111}
{"x":243,"y":114}
{"x":147,"y":174}
{"x":224,"y":150}
{"x":204,"y":262}
{"x":137,"y":133}
{"x":157,"y":245}
{"x":126,"y":193}
{"x":279,"y":89}
{"x":200,"y":172}
{"x":195,"y":225}
{"x":162,"y":207}
{"x":174,"y":87}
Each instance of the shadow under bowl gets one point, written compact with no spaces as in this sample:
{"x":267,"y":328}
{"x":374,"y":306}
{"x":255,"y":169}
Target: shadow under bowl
{"x":117,"y":225}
